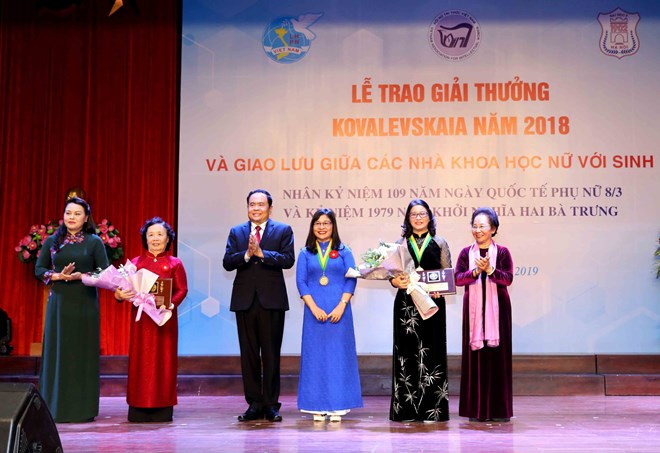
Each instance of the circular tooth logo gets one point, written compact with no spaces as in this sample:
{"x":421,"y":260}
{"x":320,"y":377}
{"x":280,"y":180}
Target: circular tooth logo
{"x":454,"y":35}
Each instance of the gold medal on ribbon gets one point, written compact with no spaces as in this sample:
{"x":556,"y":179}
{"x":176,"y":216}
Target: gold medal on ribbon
{"x":323,"y":261}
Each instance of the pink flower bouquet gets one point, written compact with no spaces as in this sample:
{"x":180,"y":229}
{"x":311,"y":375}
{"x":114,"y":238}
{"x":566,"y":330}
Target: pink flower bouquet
{"x":389,"y":260}
{"x":140,"y":281}
{"x":29,"y":246}
{"x":111,"y":239}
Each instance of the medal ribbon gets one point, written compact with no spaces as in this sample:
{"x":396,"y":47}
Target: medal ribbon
{"x":323,"y":257}
{"x":419,"y":250}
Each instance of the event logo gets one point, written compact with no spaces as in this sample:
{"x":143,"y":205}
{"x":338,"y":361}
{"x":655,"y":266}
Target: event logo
{"x":618,"y":37}
{"x":454,"y":35}
{"x":288,"y":39}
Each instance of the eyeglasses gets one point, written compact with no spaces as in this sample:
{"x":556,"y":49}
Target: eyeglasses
{"x":481,"y":227}
{"x":420,"y":215}
{"x":323,"y":224}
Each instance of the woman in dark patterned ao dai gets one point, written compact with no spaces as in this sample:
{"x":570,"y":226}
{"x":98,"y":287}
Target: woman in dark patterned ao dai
{"x":419,"y":380}
{"x":69,"y":378}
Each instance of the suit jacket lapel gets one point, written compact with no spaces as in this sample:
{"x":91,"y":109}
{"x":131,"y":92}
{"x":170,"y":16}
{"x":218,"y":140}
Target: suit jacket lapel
{"x":269,"y":228}
{"x":246,"y":232}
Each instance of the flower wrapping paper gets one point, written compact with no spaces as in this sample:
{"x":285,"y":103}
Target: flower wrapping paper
{"x":140,"y":281}
{"x":389,"y":260}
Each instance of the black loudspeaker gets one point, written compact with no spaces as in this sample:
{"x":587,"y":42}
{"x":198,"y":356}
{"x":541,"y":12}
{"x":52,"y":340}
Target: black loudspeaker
{"x":26,"y":425}
{"x":5,"y":333}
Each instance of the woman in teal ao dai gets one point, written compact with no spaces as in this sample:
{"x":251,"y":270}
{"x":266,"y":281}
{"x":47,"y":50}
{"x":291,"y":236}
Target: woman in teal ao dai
{"x":329,"y":382}
{"x":69,"y":379}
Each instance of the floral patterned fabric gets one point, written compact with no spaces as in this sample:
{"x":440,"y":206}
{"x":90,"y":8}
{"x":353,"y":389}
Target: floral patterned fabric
{"x":69,"y":379}
{"x":419,"y":379}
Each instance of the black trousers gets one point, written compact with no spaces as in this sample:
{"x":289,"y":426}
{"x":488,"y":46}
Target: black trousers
{"x":260,"y":334}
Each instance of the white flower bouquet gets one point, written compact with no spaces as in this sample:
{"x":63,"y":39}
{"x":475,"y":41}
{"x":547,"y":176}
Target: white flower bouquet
{"x":389,"y":260}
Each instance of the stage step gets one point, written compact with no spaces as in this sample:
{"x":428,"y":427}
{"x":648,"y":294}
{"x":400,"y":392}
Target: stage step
{"x":533,"y":375}
{"x":626,"y":375}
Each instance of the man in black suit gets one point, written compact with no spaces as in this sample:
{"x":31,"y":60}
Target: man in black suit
{"x":259,"y":250}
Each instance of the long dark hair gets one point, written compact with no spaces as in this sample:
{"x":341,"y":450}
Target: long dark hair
{"x":492,"y":217}
{"x":88,"y":227}
{"x":157,"y":221}
{"x":310,"y":245}
{"x":406,"y":227}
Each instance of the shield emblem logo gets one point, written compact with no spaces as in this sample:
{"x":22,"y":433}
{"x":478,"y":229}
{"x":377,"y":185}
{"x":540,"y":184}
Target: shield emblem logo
{"x":618,"y":37}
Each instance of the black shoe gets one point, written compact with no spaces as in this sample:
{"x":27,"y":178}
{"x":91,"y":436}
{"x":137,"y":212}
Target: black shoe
{"x":250,"y":414}
{"x":272,"y":415}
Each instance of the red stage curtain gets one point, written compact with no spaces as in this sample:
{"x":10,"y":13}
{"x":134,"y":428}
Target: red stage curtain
{"x":87,"y":100}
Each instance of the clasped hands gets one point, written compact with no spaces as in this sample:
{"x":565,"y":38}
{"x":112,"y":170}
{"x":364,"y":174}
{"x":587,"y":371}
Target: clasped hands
{"x":334,"y":316}
{"x":67,"y":273}
{"x":254,"y":248}
{"x":483,"y":265}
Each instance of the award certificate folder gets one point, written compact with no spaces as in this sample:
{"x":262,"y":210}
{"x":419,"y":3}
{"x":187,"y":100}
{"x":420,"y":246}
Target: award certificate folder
{"x":438,"y":282}
{"x":162,"y":291}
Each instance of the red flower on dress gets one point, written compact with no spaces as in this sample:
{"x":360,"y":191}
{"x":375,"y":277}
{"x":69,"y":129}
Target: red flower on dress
{"x":334,"y":254}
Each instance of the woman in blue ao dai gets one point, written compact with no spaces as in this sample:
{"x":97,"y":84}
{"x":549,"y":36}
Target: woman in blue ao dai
{"x":329,"y":382}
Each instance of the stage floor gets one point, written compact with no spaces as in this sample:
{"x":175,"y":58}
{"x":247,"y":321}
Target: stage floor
{"x":543,"y":424}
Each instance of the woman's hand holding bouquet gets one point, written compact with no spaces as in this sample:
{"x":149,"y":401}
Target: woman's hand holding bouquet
{"x":137,"y":282}
{"x":393,"y":261}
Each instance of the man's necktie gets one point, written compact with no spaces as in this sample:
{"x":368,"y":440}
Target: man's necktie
{"x":257,"y":234}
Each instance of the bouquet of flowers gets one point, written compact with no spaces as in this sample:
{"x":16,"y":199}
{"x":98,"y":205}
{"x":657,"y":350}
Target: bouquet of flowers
{"x":389,"y":260}
{"x":129,"y":278}
{"x":111,"y":239}
{"x":381,"y":263}
{"x":29,"y":246}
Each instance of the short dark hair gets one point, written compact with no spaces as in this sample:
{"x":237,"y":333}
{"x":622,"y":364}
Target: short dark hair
{"x":265,"y":192}
{"x":157,"y":221}
{"x":407,"y":228}
{"x":488,"y":212}
{"x":310,"y":244}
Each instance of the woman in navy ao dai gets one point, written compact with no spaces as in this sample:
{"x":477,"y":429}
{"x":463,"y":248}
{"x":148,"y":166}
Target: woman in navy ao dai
{"x":329,"y":379}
